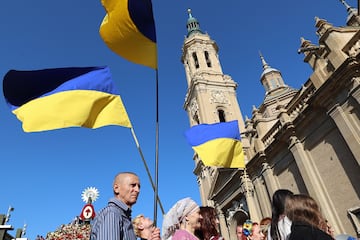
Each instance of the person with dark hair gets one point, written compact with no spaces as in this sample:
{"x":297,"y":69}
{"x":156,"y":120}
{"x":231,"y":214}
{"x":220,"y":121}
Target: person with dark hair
{"x":306,"y":217}
{"x":209,"y":229}
{"x":280,"y":226}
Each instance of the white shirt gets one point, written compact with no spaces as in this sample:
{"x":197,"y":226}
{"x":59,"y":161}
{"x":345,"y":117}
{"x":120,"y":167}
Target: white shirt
{"x":284,"y":226}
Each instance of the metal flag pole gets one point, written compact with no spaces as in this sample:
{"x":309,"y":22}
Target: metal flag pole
{"x":156,"y":150}
{"x":147,"y":169}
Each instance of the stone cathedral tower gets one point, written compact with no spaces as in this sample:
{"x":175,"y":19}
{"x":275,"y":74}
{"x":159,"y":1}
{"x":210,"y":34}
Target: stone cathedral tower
{"x":304,"y":140}
{"x":211,"y":95}
{"x":211,"y":98}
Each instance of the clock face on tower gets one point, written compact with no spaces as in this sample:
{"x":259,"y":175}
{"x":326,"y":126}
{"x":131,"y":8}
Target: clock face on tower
{"x":218,"y":97}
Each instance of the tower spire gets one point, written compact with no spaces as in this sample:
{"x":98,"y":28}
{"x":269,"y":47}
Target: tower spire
{"x":270,"y":78}
{"x":346,"y":5}
{"x":263,"y":62}
{"x":192,"y":24}
{"x":266,"y":67}
{"x":353,"y":14}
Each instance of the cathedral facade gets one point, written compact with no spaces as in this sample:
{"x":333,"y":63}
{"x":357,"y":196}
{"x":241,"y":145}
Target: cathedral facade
{"x":306,"y":140}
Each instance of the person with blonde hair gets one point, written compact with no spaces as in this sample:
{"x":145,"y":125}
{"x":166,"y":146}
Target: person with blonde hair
{"x":264,"y":225}
{"x":306,"y":217}
{"x":181,"y":221}
{"x":144,"y":228}
{"x":252,"y":231}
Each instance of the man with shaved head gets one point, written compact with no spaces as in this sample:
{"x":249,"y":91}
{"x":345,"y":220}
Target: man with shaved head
{"x":114,"y":221}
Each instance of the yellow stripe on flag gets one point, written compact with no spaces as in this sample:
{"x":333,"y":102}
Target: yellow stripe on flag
{"x":221,"y":152}
{"x":82,"y":108}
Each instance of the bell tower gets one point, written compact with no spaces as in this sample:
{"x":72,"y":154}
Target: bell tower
{"x":211,"y":95}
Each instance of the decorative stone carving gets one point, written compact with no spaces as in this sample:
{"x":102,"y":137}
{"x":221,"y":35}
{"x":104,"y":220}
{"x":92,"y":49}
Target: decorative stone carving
{"x":322,"y":25}
{"x":354,"y":50}
{"x":293,"y":140}
{"x":218,"y":96}
{"x":212,"y":171}
{"x":202,"y":173}
{"x":194,"y":107}
{"x":247,"y":186}
{"x":240,"y":205}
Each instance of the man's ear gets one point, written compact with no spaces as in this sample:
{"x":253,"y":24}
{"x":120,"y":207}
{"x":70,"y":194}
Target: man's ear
{"x":141,"y":226}
{"x":116,"y":188}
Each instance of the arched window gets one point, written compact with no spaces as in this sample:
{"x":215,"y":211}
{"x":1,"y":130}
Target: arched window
{"x":208,"y":62}
{"x":221,"y":115}
{"x":196,"y":61}
{"x":196,"y":118}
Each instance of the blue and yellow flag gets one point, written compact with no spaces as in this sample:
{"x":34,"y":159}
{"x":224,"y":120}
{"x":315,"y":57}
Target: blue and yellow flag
{"x":128,"y":29}
{"x":217,"y":144}
{"x":56,"y":98}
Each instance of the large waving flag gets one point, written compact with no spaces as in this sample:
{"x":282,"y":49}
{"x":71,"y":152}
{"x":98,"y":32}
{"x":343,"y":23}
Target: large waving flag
{"x":64,"y":97}
{"x":128,"y":29}
{"x":217,"y":144}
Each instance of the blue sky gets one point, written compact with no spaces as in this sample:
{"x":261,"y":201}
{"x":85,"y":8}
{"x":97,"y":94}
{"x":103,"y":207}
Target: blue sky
{"x":43,"y":174}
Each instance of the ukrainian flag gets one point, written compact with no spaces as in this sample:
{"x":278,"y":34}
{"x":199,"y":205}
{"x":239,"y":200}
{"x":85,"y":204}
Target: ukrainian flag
{"x":128,"y":29}
{"x":217,"y":144}
{"x":64,"y":97}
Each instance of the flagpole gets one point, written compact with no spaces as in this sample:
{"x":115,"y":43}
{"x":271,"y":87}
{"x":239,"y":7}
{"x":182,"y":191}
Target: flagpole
{"x":146,"y":167}
{"x":156,"y":148}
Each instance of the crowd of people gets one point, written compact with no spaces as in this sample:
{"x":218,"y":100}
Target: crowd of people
{"x":294,"y":217}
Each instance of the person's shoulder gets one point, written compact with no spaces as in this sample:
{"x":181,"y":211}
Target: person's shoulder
{"x":321,"y":235}
{"x":308,"y":231}
{"x":180,"y":232}
{"x":110,"y":209}
{"x":114,"y":202}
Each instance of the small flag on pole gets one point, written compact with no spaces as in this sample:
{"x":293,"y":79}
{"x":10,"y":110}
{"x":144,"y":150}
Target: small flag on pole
{"x":128,"y":29}
{"x":217,"y":144}
{"x":56,"y":98}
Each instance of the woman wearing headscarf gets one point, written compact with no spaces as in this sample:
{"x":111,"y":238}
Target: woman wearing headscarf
{"x":181,"y":221}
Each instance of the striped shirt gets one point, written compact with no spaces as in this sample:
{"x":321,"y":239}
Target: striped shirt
{"x":113,"y":223}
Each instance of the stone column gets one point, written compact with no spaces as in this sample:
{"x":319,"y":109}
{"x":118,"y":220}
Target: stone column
{"x":355,"y":89}
{"x":263,"y":197}
{"x":270,"y":181}
{"x":248,"y":190}
{"x":223,"y":225}
{"x":313,"y":182}
{"x":347,"y":130}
